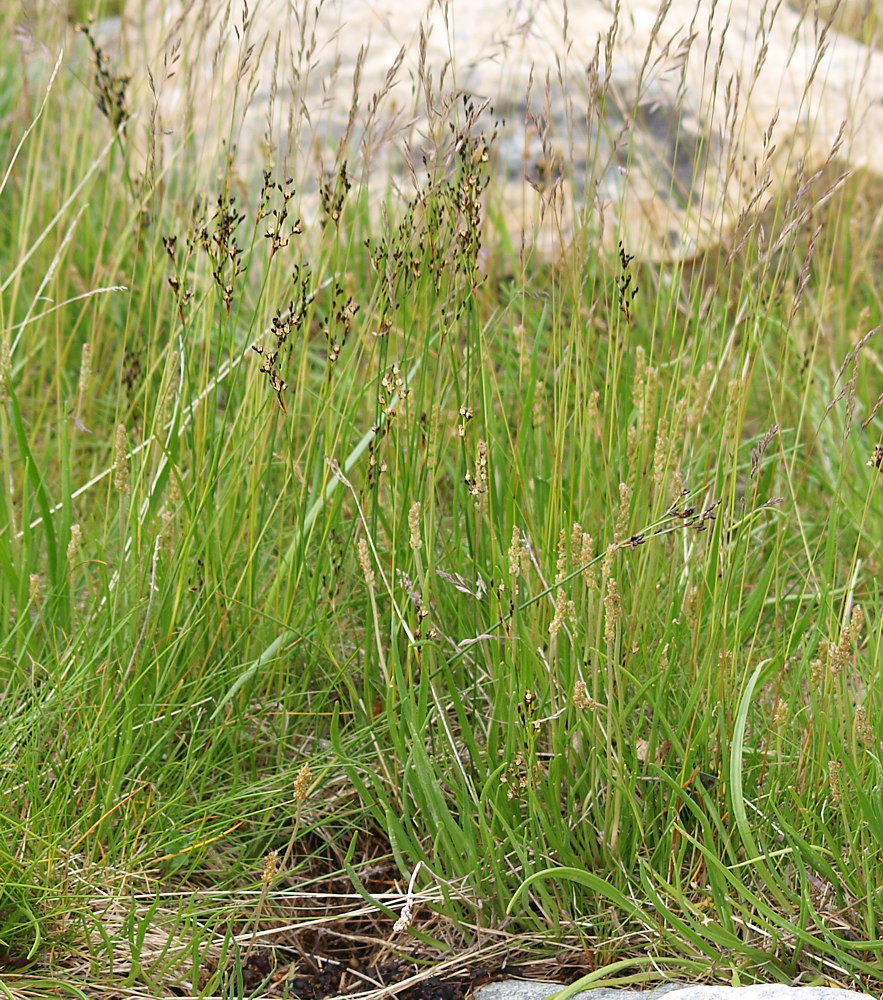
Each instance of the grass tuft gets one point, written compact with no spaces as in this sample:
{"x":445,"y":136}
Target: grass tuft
{"x":382,"y":596}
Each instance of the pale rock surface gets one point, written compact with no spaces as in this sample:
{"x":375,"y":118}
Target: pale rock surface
{"x":520,"y":990}
{"x":672,"y":123}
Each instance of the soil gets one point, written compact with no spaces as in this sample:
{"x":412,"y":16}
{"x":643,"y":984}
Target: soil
{"x":266,"y":974}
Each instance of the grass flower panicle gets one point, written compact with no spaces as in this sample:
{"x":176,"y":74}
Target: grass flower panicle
{"x":612,"y":610}
{"x":74,"y":543}
{"x":561,"y":609}
{"x":365,"y":562}
{"x":84,"y":382}
{"x":302,"y":784}
{"x":863,"y":729}
{"x":515,"y":551}
{"x":623,"y":515}
{"x":414,"y":536}
{"x":835,"y":785}
{"x":5,"y":368}
{"x":121,"y":462}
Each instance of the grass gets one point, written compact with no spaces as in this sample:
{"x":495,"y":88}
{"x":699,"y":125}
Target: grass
{"x":489,"y":611}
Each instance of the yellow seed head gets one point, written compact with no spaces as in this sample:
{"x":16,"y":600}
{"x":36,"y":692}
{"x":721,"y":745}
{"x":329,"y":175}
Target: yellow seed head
{"x":121,"y":462}
{"x":85,"y":373}
{"x":581,"y":697}
{"x":576,"y":541}
{"x":5,"y":369}
{"x":834,"y":769}
{"x":586,"y":556}
{"x":622,"y":518}
{"x":539,"y":403}
{"x":414,"y":526}
{"x":612,"y":611}
{"x":365,"y":562}
{"x":432,"y":451}
{"x":607,"y":564}
{"x":633,"y":448}
{"x":302,"y":784}
{"x":593,"y":414}
{"x":691,"y":606}
{"x":856,"y":623}
{"x":781,"y":714}
{"x":271,"y":866}
{"x":560,"y":612}
{"x":516,"y":560}
{"x":76,"y":539}
{"x":863,"y":729}
{"x":561,"y":564}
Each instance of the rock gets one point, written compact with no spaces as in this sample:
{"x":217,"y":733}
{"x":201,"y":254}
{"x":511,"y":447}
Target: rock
{"x":669,"y":127}
{"x":521,"y":990}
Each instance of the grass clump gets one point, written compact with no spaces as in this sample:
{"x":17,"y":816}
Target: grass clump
{"x":373,"y":591}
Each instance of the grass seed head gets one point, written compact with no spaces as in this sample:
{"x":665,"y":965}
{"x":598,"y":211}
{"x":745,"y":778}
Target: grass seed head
{"x":365,"y":562}
{"x":622,"y":518}
{"x":581,"y":697}
{"x":85,"y":377}
{"x":271,"y":867}
{"x":110,"y":86}
{"x":576,"y":542}
{"x":557,"y":622}
{"x":563,"y":548}
{"x":477,"y":481}
{"x":612,"y":611}
{"x":607,"y":564}
{"x":856,"y":624}
{"x":5,"y":369}
{"x":834,"y":783}
{"x":466,"y":414}
{"x":433,"y":443}
{"x":539,"y":403}
{"x":586,"y":560}
{"x":781,"y":714}
{"x":593,"y":414}
{"x":121,"y":462}
{"x":302,"y":784}
{"x":863,"y":729}
{"x":415,"y":539}
{"x":633,"y":450}
{"x":169,"y":512}
{"x":515,"y":547}
{"x":661,"y":454}
{"x":639,"y":377}
{"x":406,"y":918}
{"x":76,"y":539}
{"x":644,"y":389}
{"x":691,"y":607}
